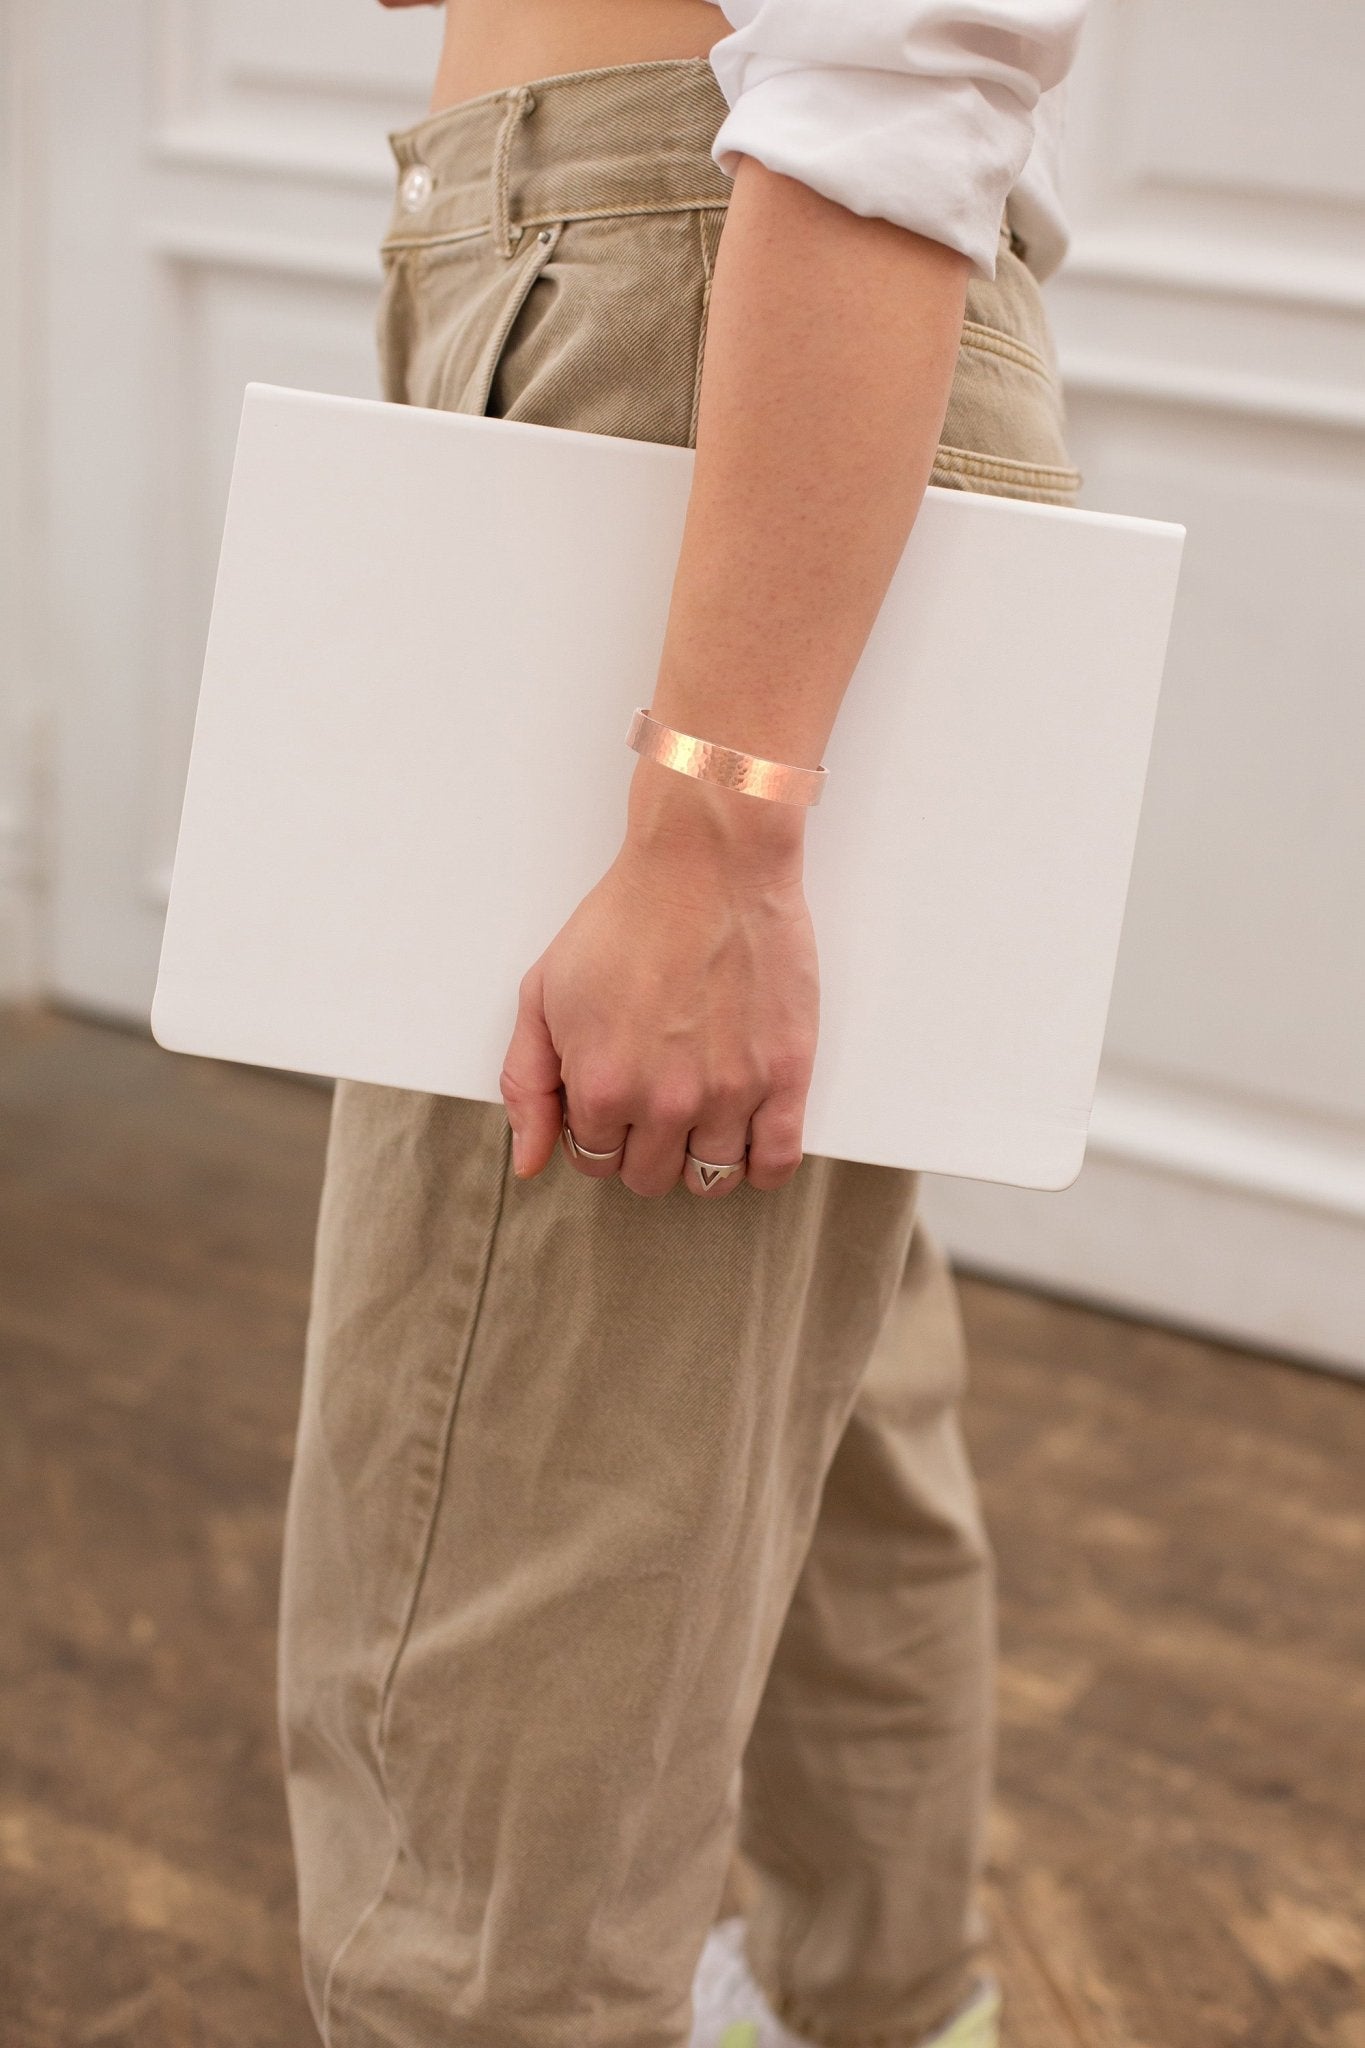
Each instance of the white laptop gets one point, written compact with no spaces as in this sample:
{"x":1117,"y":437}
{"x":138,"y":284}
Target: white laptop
{"x":409,"y":764}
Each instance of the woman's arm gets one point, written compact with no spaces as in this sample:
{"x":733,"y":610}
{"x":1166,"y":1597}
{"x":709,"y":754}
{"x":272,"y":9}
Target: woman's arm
{"x":831,"y":345}
{"x":681,"y":996}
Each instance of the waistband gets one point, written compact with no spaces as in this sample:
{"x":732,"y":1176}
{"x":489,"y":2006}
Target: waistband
{"x":623,"y":138}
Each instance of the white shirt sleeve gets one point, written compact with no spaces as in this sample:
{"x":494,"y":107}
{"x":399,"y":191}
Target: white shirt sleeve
{"x":917,"y":111}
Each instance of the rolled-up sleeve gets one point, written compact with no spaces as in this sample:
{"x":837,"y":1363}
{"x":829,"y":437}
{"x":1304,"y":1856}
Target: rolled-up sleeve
{"x":917,"y":112}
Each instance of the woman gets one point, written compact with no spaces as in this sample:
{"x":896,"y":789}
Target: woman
{"x":629,"y":1452}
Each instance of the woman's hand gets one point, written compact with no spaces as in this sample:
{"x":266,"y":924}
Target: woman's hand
{"x":679,"y":1005}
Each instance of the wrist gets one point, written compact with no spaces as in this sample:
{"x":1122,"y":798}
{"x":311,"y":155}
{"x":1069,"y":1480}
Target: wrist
{"x":703,"y":826}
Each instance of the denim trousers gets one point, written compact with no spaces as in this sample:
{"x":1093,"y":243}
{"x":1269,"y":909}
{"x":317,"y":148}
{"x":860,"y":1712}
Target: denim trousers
{"x":629,"y":1542}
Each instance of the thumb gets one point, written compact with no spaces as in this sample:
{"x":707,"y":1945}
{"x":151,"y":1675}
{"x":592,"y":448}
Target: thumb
{"x":530,"y":1081}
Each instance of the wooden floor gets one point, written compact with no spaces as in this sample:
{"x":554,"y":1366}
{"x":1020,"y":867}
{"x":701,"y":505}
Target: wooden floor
{"x":1181,"y":1528}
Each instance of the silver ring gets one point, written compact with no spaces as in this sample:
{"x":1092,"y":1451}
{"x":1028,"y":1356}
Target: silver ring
{"x":577,"y":1151}
{"x":708,"y":1173}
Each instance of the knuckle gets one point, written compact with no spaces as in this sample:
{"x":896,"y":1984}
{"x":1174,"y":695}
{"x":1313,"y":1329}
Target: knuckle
{"x":675,"y":1102}
{"x":594,"y":1106}
{"x":599,"y":1094}
{"x":734,"y":1090}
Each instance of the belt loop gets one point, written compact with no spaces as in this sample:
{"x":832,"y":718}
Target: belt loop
{"x":505,"y":236}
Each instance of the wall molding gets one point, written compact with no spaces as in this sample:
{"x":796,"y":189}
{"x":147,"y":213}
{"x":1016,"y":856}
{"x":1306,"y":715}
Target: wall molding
{"x":1275,"y":1155}
{"x":1227,"y":1219}
{"x":232,"y":148}
{"x":308,"y":258}
{"x":1216,"y":389}
{"x":235,"y":92}
{"x":1229,"y":268}
{"x":19,"y":961}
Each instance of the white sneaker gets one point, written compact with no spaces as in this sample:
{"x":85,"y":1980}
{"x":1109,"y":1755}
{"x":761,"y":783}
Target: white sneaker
{"x":730,"y":2011}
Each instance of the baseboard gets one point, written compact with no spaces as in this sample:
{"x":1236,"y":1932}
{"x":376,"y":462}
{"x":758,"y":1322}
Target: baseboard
{"x":1220,"y":1218}
{"x":19,"y":963}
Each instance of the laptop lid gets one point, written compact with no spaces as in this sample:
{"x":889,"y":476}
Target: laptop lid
{"x":408,"y":766}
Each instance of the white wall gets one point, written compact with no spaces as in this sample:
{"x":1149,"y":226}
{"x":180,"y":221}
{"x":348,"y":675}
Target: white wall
{"x":212,"y":179}
{"x":1211,"y":322}
{"x":21,"y":752}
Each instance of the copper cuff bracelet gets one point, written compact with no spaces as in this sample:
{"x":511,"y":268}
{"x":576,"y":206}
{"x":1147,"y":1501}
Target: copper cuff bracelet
{"x":726,"y":765}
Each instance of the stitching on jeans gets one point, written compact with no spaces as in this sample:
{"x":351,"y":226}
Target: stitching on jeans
{"x":624,"y":212}
{"x":966,"y":463}
{"x":454,"y":116}
{"x":521,"y":104}
{"x":993,"y":341}
{"x":696,"y":374}
{"x":418,"y":1579}
{"x":547,"y":219}
{"x":487,"y":367}
{"x":708,"y":270}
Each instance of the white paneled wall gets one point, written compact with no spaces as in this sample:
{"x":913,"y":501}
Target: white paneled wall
{"x":21,"y":754}
{"x":215,"y":178}
{"x":211,"y":178}
{"x":1211,"y":324}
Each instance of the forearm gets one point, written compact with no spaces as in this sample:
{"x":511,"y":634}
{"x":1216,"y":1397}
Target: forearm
{"x":831,"y":343}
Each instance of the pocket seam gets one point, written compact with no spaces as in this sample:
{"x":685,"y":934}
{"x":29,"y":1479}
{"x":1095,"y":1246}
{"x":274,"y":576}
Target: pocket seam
{"x":441,"y":239}
{"x":1004,"y":469}
{"x":479,"y":389}
{"x":708,"y":271}
{"x":994,"y":341}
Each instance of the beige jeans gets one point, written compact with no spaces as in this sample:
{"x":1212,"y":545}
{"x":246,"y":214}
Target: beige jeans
{"x":624,"y":1532}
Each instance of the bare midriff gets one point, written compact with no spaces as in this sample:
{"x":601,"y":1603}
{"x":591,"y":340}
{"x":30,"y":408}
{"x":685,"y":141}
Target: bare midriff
{"x":492,"y":44}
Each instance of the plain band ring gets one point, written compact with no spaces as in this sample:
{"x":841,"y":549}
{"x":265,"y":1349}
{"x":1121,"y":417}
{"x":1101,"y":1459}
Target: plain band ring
{"x":577,"y":1151}
{"x":708,"y":1173}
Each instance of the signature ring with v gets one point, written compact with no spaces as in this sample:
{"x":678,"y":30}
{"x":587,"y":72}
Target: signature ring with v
{"x":577,"y":1151}
{"x":708,"y":1173}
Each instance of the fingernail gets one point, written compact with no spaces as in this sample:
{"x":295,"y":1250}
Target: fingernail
{"x":518,"y":1157}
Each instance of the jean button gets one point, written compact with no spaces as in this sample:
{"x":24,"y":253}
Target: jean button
{"x":415,"y":189}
